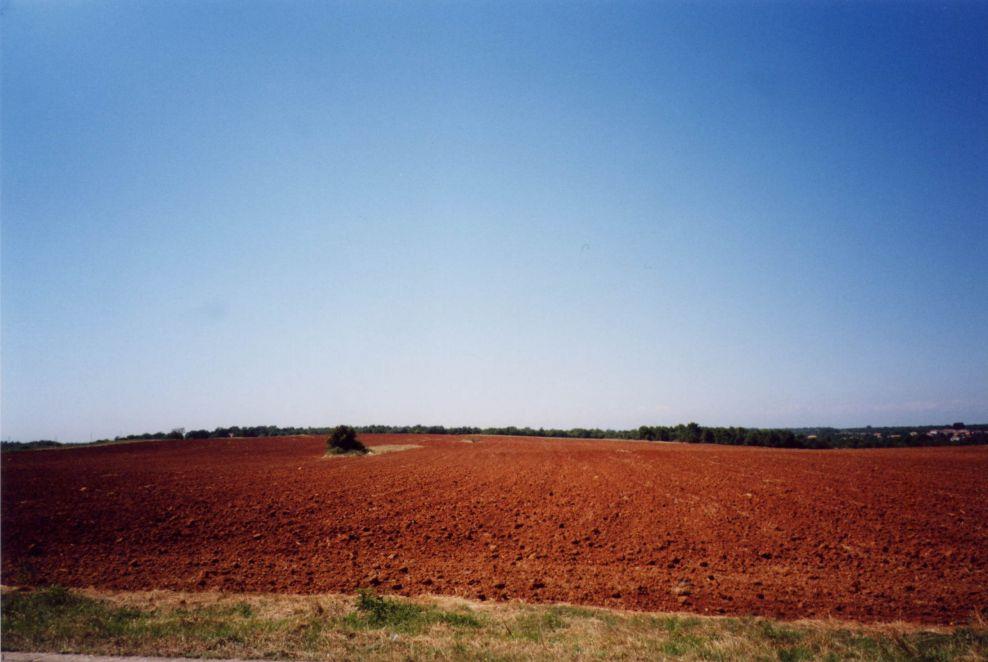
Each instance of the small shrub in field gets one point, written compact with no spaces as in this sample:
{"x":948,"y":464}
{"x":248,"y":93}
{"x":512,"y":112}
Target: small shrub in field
{"x":344,"y":440}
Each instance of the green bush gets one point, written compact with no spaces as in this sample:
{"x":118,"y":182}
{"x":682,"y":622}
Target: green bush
{"x":374,"y":611}
{"x":344,"y":440}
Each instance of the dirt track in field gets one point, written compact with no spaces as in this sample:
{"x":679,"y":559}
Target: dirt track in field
{"x":869,"y":535}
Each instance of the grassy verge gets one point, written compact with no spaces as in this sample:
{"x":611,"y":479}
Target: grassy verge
{"x":374,"y":627}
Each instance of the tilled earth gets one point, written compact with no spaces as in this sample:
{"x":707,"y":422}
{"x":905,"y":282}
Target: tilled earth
{"x":869,"y":534}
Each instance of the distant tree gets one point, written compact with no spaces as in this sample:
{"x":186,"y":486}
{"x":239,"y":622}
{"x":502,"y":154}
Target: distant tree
{"x":344,"y":440}
{"x":689,"y":432}
{"x":790,"y":440}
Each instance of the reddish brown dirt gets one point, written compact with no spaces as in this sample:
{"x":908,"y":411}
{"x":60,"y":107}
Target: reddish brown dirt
{"x":872,"y":535}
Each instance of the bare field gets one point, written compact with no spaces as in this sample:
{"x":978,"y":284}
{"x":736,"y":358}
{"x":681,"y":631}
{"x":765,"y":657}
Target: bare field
{"x":870,"y":535}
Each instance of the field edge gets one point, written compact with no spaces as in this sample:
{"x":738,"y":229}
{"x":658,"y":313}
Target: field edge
{"x":367,"y":626}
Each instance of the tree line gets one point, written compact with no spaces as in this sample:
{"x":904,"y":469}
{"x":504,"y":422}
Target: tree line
{"x":824,"y":437}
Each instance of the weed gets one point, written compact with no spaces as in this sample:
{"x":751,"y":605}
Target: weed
{"x":375,"y":611}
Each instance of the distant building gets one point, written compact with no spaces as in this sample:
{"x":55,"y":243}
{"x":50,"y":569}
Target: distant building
{"x":952,"y":433}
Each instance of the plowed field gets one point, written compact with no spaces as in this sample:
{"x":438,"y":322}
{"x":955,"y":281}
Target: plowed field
{"x":870,"y":535}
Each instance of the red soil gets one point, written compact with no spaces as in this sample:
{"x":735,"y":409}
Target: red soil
{"x":871,"y":535}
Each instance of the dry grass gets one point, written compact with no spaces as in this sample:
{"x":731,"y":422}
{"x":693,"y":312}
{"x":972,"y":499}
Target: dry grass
{"x":391,"y":448}
{"x":369,"y":627}
{"x":372,"y":450}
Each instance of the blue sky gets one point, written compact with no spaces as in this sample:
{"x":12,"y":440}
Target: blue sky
{"x":546,"y":214}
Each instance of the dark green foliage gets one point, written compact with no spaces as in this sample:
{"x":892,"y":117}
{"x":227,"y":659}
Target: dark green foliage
{"x":28,"y":445}
{"x":375,"y":611}
{"x":344,"y":440}
{"x":823,"y":437}
{"x":378,"y":611}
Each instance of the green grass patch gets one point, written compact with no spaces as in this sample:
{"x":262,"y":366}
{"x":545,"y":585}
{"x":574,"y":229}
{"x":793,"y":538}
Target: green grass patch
{"x":59,"y":615}
{"x":375,"y":611}
{"x":536,"y":624}
{"x":778,"y":633}
{"x":369,"y":626}
{"x":571,"y":612}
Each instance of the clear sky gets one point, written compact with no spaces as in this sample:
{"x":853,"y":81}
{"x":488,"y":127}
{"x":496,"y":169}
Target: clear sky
{"x":468,"y":213}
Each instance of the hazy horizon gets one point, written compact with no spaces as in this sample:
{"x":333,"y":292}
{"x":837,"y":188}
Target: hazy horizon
{"x":532,"y":214}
